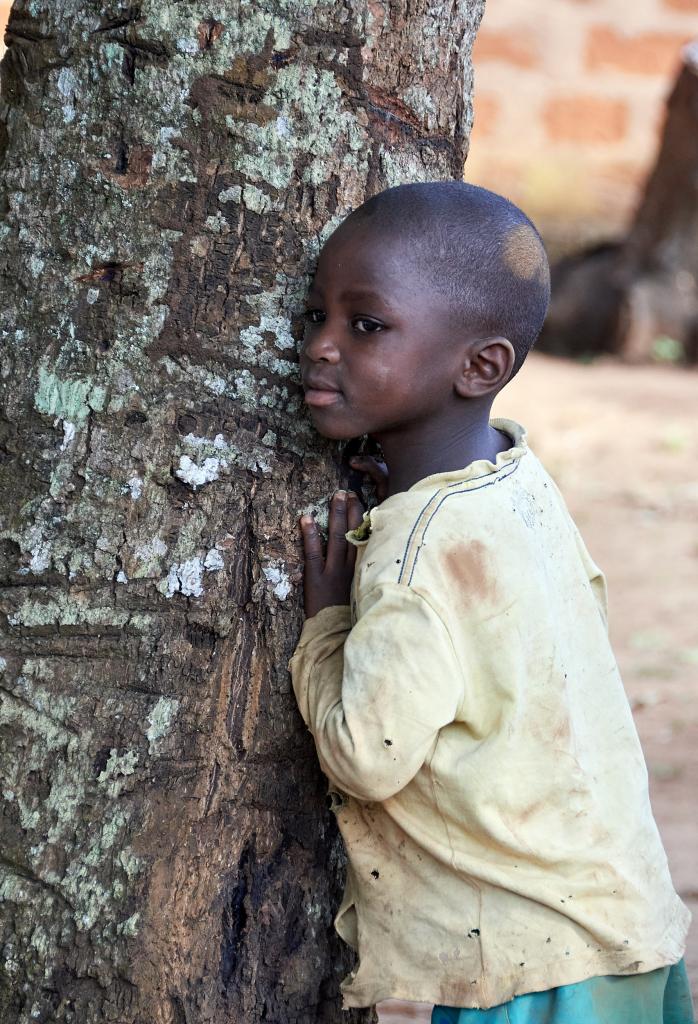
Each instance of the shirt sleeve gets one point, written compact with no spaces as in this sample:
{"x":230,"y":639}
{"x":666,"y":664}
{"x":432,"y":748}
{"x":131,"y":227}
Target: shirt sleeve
{"x":375,"y":696}
{"x":597,"y":580}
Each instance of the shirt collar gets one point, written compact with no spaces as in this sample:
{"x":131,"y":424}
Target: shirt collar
{"x":478,"y":468}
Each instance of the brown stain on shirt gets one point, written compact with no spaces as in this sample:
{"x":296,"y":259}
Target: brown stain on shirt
{"x":467,"y":564}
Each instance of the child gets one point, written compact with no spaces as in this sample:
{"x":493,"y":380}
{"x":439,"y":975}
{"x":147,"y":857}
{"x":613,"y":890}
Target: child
{"x":454,"y":667}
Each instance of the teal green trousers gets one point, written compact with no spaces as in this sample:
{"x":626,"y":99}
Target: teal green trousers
{"x":658,"y":997}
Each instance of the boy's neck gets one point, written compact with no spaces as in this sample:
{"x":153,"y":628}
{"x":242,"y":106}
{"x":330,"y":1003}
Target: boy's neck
{"x":419,"y":450}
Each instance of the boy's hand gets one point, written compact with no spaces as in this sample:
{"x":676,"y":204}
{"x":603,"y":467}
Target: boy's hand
{"x":327,"y":581}
{"x":378,"y":472}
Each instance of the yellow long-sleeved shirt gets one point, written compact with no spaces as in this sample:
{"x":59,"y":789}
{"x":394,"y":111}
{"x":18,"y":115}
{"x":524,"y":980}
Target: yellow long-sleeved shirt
{"x":491,"y":790}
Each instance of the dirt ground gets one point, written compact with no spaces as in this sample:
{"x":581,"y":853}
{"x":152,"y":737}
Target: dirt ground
{"x":621,"y":443}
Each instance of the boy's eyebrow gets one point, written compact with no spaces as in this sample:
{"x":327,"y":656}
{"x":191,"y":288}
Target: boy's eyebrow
{"x":353,"y":294}
{"x":370,"y":295}
{"x":362,"y":293}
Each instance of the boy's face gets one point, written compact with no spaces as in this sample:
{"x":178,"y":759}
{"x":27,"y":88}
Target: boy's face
{"x":378,"y":336}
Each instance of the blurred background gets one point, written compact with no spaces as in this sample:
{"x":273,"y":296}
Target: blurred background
{"x":569,"y":104}
{"x":570,"y":108}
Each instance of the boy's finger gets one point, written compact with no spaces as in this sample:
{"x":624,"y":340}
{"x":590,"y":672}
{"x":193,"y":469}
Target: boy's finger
{"x":337,"y":526}
{"x":360,"y":462}
{"x":354,"y":518}
{"x":355,"y":514}
{"x":367,"y":464}
{"x":336,"y":541}
{"x":312,"y":543}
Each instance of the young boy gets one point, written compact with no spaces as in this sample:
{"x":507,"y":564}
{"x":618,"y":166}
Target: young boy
{"x":454,"y":666}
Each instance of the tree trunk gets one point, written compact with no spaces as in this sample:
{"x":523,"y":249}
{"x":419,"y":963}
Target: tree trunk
{"x":639,"y":297}
{"x":167,"y":172}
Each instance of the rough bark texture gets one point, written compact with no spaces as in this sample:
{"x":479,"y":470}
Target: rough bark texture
{"x":637,"y":296}
{"x":167,"y":172}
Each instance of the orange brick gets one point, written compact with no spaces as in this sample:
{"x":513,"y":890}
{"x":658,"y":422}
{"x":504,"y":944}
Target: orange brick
{"x":512,"y":47}
{"x":486,"y":112}
{"x":649,"y":53}
{"x":585,"y":119}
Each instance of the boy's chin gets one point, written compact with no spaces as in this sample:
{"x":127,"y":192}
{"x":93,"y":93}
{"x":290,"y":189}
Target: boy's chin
{"x":336,"y":434}
{"x":332,"y":431}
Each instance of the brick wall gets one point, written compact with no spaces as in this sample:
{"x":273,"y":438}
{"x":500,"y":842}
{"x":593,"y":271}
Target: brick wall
{"x":569,"y":103}
{"x":4,"y":14}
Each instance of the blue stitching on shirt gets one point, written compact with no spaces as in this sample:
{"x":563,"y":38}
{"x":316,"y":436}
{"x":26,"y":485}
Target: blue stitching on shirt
{"x":456,"y":483}
{"x":407,"y":545}
{"x":500,"y":476}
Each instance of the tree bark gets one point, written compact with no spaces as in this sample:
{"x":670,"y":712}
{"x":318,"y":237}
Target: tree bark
{"x":638,"y":297}
{"x":167,"y":173}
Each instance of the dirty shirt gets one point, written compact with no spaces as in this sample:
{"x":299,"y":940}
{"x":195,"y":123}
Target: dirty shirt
{"x":486,"y":773}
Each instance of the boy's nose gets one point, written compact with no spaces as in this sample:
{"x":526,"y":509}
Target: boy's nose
{"x":320,"y":345}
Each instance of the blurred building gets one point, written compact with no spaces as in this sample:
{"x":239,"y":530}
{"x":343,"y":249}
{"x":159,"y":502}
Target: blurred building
{"x":4,"y":15}
{"x":569,"y":101}
{"x":569,"y":98}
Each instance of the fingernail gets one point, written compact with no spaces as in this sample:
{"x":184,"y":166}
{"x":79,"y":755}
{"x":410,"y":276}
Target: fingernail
{"x":306,"y":520}
{"x":340,"y":495}
{"x":351,"y":494}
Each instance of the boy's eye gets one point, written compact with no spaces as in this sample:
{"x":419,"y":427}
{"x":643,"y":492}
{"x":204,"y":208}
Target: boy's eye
{"x":365,"y":325}
{"x":314,"y":316}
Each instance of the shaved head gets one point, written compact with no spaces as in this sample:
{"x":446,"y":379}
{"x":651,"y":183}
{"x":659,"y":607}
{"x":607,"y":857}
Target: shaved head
{"x":474,"y":248}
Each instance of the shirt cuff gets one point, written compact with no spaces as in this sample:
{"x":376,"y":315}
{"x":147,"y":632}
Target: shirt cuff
{"x":334,"y":618}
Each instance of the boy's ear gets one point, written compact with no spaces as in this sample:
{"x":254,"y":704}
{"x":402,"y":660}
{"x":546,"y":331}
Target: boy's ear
{"x":486,"y":366}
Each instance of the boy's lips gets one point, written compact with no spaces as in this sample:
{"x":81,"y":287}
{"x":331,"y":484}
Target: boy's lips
{"x":318,"y":396}
{"x":319,"y":392}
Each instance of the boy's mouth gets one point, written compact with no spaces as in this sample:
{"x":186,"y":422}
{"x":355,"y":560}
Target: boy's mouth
{"x":321,"y":396}
{"x":320,"y":392}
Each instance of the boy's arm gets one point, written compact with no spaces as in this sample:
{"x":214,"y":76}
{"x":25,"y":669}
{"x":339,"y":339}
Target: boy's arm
{"x":375,"y":696}
{"x":320,"y":650}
